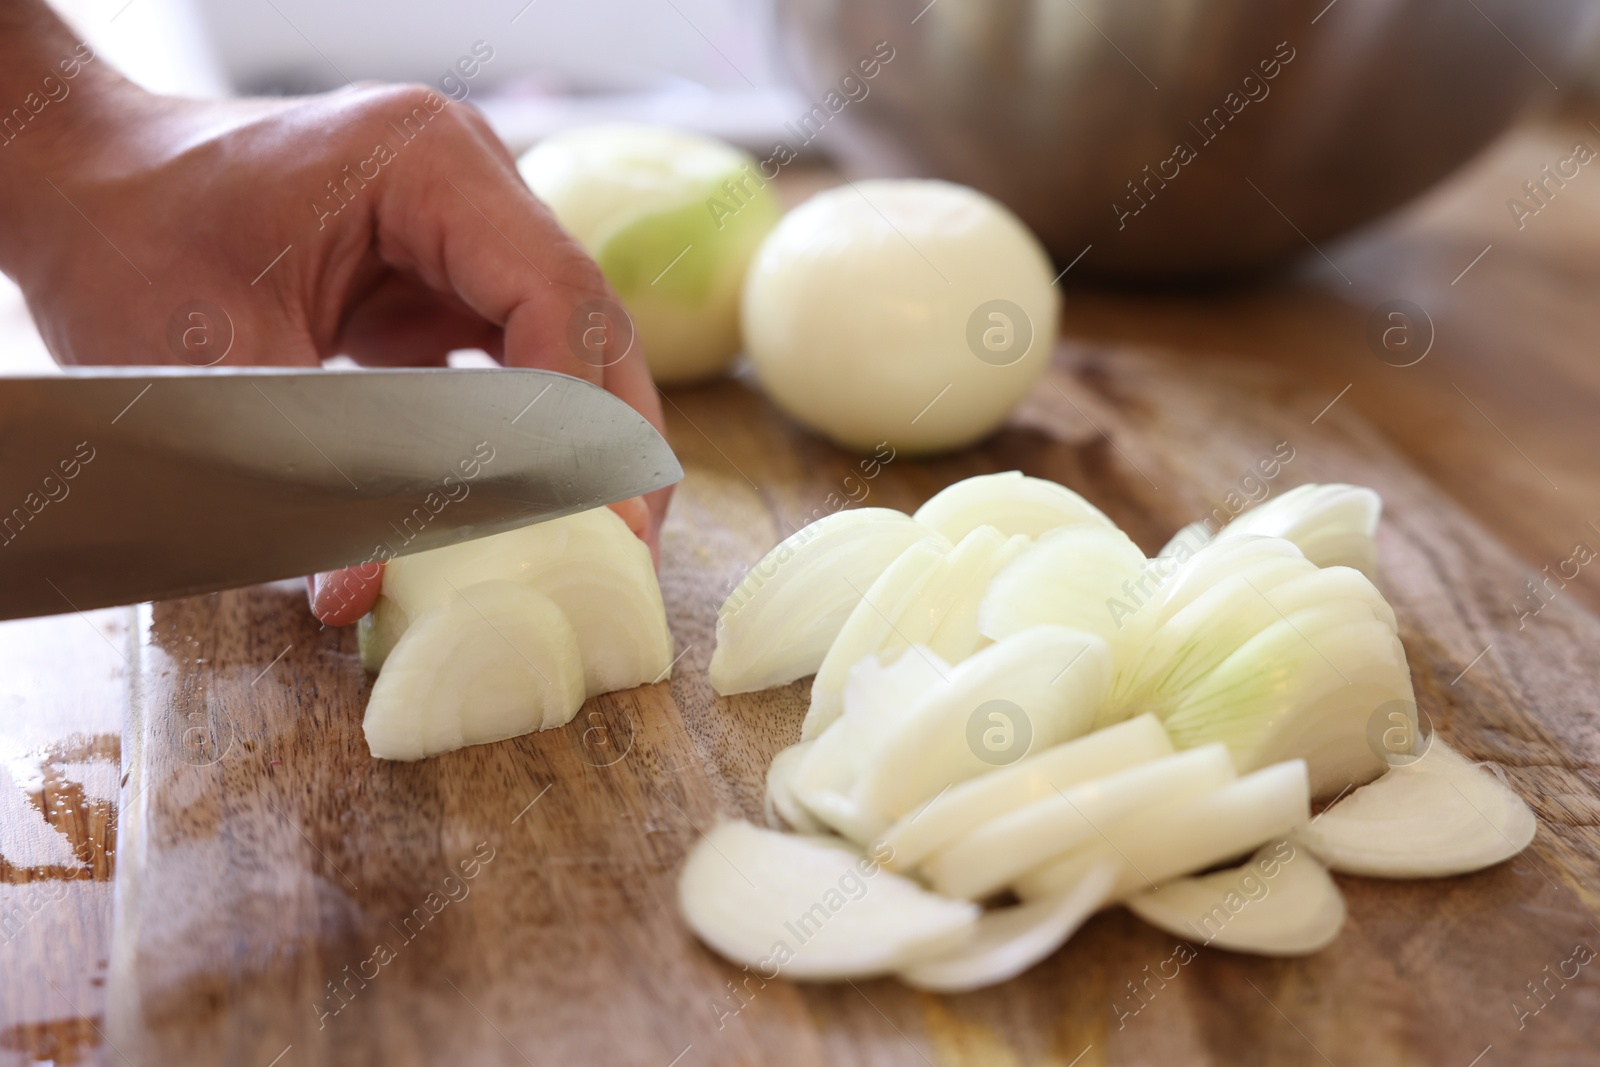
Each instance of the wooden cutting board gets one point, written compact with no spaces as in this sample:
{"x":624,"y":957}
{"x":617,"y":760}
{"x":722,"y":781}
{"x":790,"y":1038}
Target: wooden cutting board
{"x":281,"y":898}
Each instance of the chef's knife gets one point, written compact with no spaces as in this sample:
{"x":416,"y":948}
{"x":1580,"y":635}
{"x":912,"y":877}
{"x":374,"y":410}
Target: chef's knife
{"x":132,"y":484}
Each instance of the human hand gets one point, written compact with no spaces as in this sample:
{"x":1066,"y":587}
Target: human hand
{"x":385,"y":223}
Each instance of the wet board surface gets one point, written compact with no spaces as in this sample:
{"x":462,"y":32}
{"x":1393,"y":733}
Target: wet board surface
{"x":281,"y":898}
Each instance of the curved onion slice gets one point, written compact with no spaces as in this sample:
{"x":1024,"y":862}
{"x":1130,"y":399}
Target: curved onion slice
{"x":953,"y":813}
{"x":496,"y":661}
{"x":931,"y":600}
{"x":870,"y":625}
{"x":781,"y":801}
{"x":1188,"y":643}
{"x":1188,"y":577}
{"x":1199,"y":637}
{"x":1008,"y":501}
{"x":1053,"y":677}
{"x":1171,"y":840}
{"x":777,"y":624}
{"x":1010,"y":940}
{"x":1333,"y":524}
{"x":876,"y":697}
{"x":1186,"y":542}
{"x":1281,"y":903}
{"x":598,"y":573}
{"x":1437,"y":816}
{"x":812,"y":908}
{"x":1305,"y":686}
{"x":994,"y":854}
{"x":1078,"y":576}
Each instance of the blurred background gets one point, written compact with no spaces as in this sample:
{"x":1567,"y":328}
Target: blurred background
{"x":1082,"y":115}
{"x":1194,"y":142}
{"x":1087,"y":117}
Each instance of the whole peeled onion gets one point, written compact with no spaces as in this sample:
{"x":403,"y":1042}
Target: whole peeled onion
{"x":673,"y":219}
{"x":908,"y":311}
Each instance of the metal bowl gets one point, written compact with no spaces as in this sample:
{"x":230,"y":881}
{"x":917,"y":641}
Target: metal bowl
{"x":1178,"y":138}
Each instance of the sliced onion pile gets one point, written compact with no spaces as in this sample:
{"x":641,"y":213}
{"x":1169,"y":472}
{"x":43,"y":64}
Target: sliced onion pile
{"x":1017,"y":719}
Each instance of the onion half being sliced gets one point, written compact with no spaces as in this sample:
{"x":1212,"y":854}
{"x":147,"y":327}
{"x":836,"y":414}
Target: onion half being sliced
{"x":496,"y":661}
{"x":590,"y":564}
{"x":1437,"y":816}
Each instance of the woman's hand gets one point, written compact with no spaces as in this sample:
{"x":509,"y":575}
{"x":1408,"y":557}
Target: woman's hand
{"x":385,"y":223}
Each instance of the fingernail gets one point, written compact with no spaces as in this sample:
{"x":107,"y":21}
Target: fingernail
{"x":319,"y":584}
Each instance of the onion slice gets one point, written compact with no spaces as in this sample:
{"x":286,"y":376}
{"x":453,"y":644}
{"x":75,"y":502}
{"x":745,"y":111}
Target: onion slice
{"x":1171,"y":840}
{"x":994,"y":854}
{"x":498,"y":660}
{"x":1306,"y":686}
{"x":1333,"y":524}
{"x":876,"y":697}
{"x":1036,"y":688}
{"x":811,"y":908}
{"x":1280,"y":903}
{"x":1010,"y":940}
{"x":1437,"y":816}
{"x":966,"y":806}
{"x":1008,"y":501}
{"x":925,"y":598}
{"x":781,"y":802}
{"x":777,"y":624}
{"x":1077,"y":576}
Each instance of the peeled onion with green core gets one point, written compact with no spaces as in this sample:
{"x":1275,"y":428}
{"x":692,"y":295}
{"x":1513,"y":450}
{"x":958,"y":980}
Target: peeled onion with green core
{"x":1435,"y":816}
{"x":810,"y":907}
{"x":673,"y":219}
{"x":917,"y":312}
{"x":1280,"y":903}
{"x":778,"y":623}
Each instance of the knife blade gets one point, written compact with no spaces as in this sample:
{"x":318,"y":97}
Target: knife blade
{"x":130,"y":484}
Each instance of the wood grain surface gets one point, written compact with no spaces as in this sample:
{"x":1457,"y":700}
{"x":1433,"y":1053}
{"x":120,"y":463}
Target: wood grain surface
{"x":245,"y":886}
{"x":281,"y":893}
